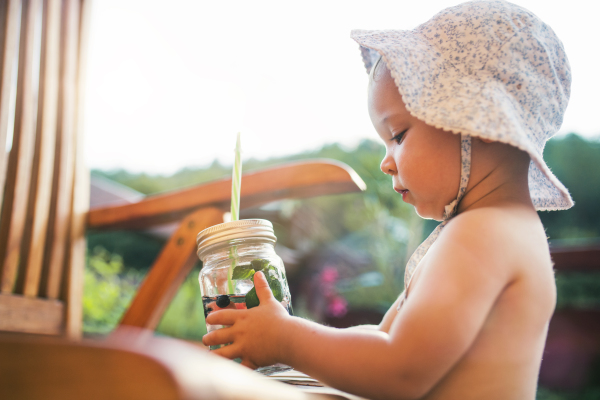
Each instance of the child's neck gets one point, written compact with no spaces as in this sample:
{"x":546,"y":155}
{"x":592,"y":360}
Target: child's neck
{"x":500,"y":184}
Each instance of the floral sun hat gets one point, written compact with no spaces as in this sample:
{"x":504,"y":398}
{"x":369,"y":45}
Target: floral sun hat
{"x":489,"y":69}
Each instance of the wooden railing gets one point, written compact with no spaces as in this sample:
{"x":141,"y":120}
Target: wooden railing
{"x":573,"y":343}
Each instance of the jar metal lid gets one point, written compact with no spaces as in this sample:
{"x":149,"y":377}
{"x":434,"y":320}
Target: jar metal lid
{"x":242,"y":229}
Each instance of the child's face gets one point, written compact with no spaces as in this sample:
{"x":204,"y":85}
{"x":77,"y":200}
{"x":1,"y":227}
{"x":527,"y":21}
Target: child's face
{"x":423,"y":161}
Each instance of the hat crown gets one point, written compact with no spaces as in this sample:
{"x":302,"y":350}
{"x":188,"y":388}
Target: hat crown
{"x":506,"y":43}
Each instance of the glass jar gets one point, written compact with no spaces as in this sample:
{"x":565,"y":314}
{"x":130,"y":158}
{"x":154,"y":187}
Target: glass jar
{"x":231,"y":253}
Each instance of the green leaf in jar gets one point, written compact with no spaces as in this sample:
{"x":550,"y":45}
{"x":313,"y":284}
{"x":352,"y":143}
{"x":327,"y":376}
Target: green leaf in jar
{"x":244,"y":271}
{"x":259,"y":263}
{"x":276,"y":288}
{"x":252,"y":299}
{"x":271,"y":272}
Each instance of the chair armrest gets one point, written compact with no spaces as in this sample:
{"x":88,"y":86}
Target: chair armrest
{"x":131,"y":364}
{"x":291,"y":180}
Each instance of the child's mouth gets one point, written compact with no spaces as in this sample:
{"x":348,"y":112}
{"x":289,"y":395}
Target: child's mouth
{"x":403,"y":192}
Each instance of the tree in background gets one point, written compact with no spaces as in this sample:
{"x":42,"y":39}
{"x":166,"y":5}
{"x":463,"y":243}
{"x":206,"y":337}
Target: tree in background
{"x":576,"y":163}
{"x":108,"y":289}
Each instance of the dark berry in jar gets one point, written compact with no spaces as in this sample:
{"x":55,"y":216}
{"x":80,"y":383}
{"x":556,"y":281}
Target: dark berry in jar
{"x":223,"y":301}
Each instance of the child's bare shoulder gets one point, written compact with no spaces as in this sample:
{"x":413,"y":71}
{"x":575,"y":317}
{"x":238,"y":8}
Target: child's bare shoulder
{"x":509,"y":240}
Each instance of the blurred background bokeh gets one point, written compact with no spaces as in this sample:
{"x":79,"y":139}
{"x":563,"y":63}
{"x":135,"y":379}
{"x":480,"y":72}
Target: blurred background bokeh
{"x":168,"y":88}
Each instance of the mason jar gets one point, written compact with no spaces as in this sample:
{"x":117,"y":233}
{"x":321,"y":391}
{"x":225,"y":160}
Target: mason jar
{"x":231,"y":254}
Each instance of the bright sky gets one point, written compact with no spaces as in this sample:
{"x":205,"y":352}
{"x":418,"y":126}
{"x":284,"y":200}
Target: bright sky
{"x":169,"y":83}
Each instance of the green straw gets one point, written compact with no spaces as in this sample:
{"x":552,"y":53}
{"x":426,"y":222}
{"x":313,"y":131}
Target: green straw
{"x":236,"y":183}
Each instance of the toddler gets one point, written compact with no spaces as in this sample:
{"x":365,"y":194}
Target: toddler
{"x":464,"y":104}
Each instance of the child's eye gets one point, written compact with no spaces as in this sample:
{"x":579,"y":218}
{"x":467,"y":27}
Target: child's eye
{"x":398,"y":137}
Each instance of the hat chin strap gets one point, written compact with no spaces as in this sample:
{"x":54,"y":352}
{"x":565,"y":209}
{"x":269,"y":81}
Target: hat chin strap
{"x":465,"y":173}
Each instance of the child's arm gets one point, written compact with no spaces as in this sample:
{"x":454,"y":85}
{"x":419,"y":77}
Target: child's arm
{"x":458,"y":286}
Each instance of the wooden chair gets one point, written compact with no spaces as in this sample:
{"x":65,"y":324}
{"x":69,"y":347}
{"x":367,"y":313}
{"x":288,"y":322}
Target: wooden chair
{"x":45,"y":183}
{"x":45,"y":216}
{"x":45,"y":203}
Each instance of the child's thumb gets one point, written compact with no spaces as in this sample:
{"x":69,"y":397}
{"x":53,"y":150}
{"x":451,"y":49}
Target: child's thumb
{"x":263,"y":291}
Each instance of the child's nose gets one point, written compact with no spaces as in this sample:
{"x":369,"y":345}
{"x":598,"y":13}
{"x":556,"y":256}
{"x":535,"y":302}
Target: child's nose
{"x":388,"y":166}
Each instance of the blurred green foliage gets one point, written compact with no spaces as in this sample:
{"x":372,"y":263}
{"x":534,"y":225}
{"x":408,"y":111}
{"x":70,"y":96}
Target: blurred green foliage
{"x":152,"y":184}
{"x":137,"y":249}
{"x":576,"y":163}
{"x":108,"y":290}
{"x":578,"y":290}
{"x":589,"y":393}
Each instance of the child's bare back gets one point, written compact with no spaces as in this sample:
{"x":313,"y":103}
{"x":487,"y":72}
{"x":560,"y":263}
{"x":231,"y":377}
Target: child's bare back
{"x":489,"y":275}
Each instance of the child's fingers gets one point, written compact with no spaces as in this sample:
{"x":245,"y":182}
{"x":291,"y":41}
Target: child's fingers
{"x":223,"y":317}
{"x":230,"y":352}
{"x":263,"y":291}
{"x":220,"y":336}
{"x":249,"y":364}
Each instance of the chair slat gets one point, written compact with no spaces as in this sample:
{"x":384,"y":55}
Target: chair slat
{"x":9,"y":34}
{"x":73,"y":286}
{"x":14,"y":207}
{"x":34,"y":238}
{"x":62,"y":191}
{"x":30,"y":315}
{"x":73,"y":289}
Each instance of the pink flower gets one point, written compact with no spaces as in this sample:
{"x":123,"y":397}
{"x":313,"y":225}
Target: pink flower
{"x":329,"y":274}
{"x":337,"y":307}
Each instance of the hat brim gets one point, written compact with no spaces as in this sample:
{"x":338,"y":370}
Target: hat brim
{"x":460,"y":104}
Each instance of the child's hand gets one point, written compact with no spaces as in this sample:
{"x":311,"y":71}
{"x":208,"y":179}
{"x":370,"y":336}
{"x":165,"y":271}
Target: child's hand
{"x":254,"y":334}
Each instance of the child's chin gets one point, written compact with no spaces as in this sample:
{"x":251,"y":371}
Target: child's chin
{"x":428,"y":214}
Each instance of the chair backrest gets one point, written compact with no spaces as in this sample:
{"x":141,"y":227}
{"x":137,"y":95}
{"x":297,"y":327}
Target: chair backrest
{"x":46,"y":187}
